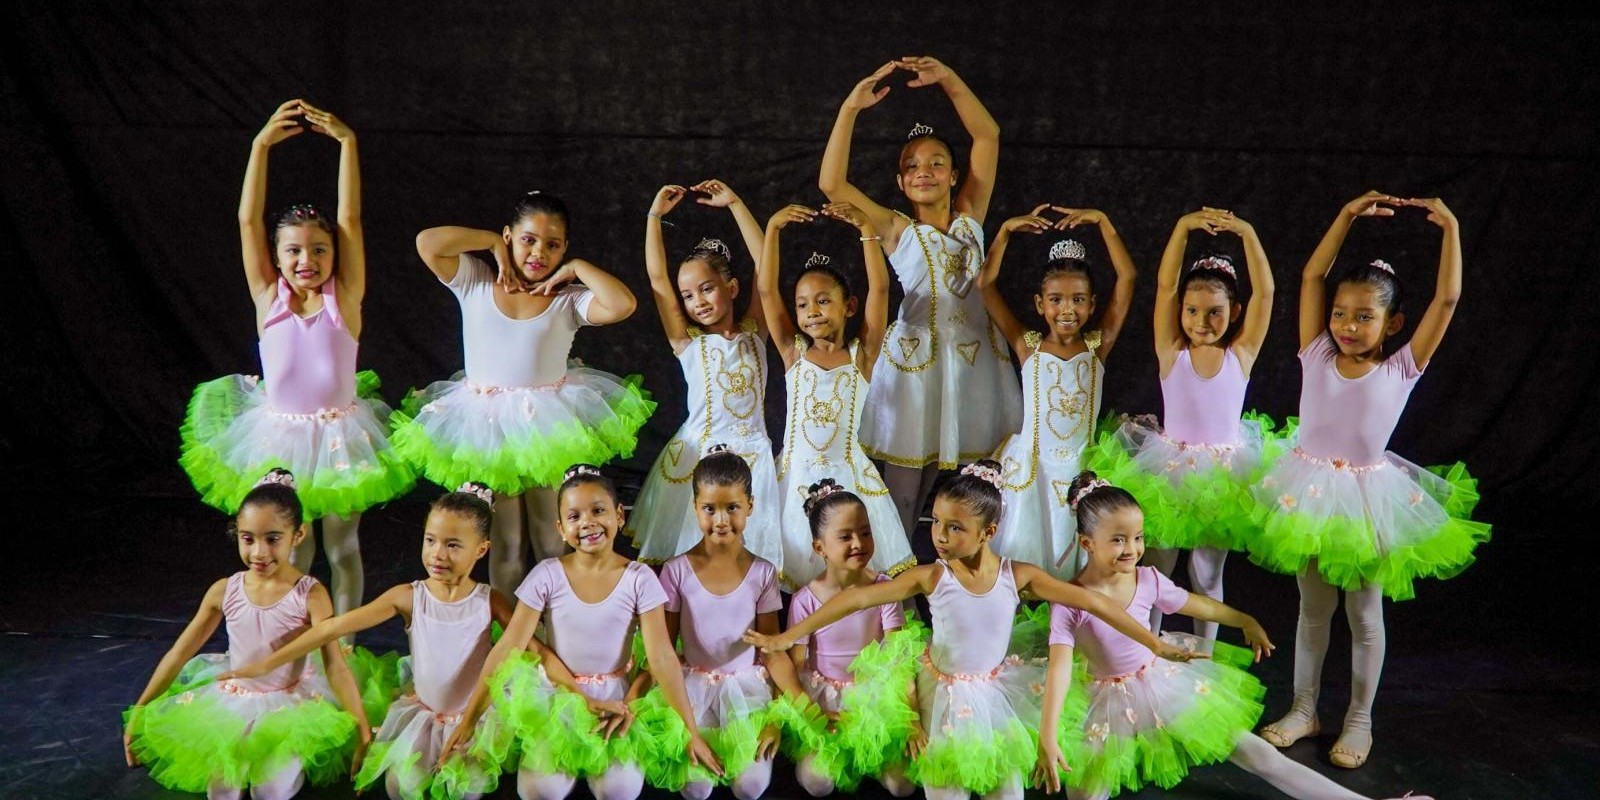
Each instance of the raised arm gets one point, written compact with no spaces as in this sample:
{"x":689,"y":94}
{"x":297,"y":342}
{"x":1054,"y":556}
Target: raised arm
{"x":352,"y":272}
{"x":875,"y":313}
{"x":194,"y":636}
{"x":441,"y":247}
{"x":260,"y":273}
{"x":1057,"y":682}
{"x":1121,"y":262}
{"x":1169,"y":276}
{"x":1313,"y":294}
{"x":319,"y":607}
{"x":1048,"y":588}
{"x":668,"y":306}
{"x":1258,"y":312}
{"x":1436,"y":320}
{"x":984,"y":158}
{"x":912,"y":582}
{"x":989,"y":278}
{"x":668,"y":674}
{"x":721,"y":195}
{"x":779,"y":321}
{"x":395,"y":601}
{"x":833,"y":179}
{"x":1201,"y":607}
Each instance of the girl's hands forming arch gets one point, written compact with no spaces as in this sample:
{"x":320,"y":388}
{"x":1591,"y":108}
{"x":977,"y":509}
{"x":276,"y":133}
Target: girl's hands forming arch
{"x":667,"y":199}
{"x":283,"y":124}
{"x":849,"y":214}
{"x":325,"y":123}
{"x":866,"y":94}
{"x":1373,"y":204}
{"x":930,"y":70}
{"x":1438,"y":213}
{"x":717,"y":194}
{"x":792,"y":213}
{"x":1031,"y":222}
{"x":1209,"y":220}
{"x":1073,"y":217}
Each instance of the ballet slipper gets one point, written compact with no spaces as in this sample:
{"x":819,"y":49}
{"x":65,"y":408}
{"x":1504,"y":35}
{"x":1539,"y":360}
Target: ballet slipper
{"x":1279,"y":734}
{"x":1347,"y":757}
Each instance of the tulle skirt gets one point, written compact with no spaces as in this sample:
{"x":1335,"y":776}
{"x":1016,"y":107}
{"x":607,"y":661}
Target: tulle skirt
{"x":1037,"y":526}
{"x":341,"y":458}
{"x":516,"y":438}
{"x":202,"y":732}
{"x":800,"y":563}
{"x":411,"y":738}
{"x":1193,"y":496}
{"x":663,"y":522}
{"x":1151,"y":726}
{"x":1386,"y":524}
{"x":982,"y":729}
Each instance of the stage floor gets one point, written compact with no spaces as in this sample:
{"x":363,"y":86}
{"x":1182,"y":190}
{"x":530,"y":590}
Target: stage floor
{"x":1486,"y":692}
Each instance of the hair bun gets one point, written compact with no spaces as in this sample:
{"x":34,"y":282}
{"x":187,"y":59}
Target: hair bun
{"x":719,"y":447}
{"x":818,"y":492}
{"x":984,"y":470}
{"x":1084,"y":485}
{"x":279,"y":476}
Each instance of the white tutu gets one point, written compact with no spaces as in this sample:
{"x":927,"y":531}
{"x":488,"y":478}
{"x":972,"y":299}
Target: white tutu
{"x":409,"y":743}
{"x":981,"y":727}
{"x":826,"y":692}
{"x":721,"y":698}
{"x":515,"y":438}
{"x":663,"y":522}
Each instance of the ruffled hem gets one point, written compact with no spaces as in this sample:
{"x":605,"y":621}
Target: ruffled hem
{"x":189,"y":737}
{"x":554,"y":728}
{"x":978,"y":761}
{"x":452,"y":433}
{"x":1427,"y":533}
{"x":1191,"y":497}
{"x":1116,"y":738}
{"x":982,"y":731}
{"x":377,"y":678}
{"x":408,"y":745}
{"x":342,"y":462}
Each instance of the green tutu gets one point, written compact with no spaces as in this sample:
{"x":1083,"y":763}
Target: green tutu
{"x":520,"y":438}
{"x":342,"y":461}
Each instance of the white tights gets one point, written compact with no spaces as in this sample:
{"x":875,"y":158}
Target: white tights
{"x":620,"y":782}
{"x":909,"y":486}
{"x":281,"y":786}
{"x":1253,"y":755}
{"x":1205,"y":577}
{"x":1010,"y":790}
{"x":818,"y":785}
{"x":751,"y":784}
{"x":515,"y":516}
{"x":1364,"y":609}
{"x":342,"y":546}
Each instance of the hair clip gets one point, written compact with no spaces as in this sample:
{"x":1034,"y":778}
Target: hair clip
{"x":280,"y":477}
{"x":534,"y":192}
{"x":581,"y":469}
{"x":987,"y":474}
{"x":1068,"y":248}
{"x":714,"y":246}
{"x":479,"y":491}
{"x":1216,"y":263}
{"x":825,"y":487}
{"x":1088,"y":489}
{"x":1383,"y":265}
{"x":818,"y":260}
{"x":918,"y":130}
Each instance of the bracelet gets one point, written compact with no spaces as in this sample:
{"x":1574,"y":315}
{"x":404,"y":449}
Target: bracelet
{"x":872,"y":238}
{"x":652,"y":214}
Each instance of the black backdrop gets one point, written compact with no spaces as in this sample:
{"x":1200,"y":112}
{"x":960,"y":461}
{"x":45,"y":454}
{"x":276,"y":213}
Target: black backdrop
{"x":124,"y":129}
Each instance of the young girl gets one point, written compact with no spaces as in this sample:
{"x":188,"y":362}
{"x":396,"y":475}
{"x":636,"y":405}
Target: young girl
{"x":1343,"y":513}
{"x":827,"y":390}
{"x":591,"y":600}
{"x":945,"y":391}
{"x":1192,"y":474}
{"x":860,"y":684}
{"x":304,"y":414}
{"x":979,"y":706}
{"x":519,"y":415}
{"x":200,"y":733}
{"x":1062,"y":370}
{"x":1125,"y":720}
{"x":715,"y":592}
{"x":447,"y":621}
{"x":724,"y":360}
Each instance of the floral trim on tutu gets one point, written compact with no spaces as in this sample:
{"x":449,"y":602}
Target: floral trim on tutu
{"x":202,"y":731}
{"x":1385,"y":524}
{"x":517,"y":438}
{"x":408,"y":743}
{"x":875,"y":717}
{"x":1192,"y":495}
{"x":982,"y":728}
{"x":1151,"y":726}
{"x":341,"y":458}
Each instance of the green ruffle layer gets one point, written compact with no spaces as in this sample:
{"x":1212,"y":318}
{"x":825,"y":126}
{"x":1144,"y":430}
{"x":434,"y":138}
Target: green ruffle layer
{"x":214,"y":406}
{"x":377,"y":678}
{"x":1205,"y":733}
{"x":1345,"y":549}
{"x":977,"y":762}
{"x":534,"y":460}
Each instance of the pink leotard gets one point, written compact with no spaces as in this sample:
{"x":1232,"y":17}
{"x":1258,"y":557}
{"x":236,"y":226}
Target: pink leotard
{"x":836,"y":644}
{"x":971,"y":632}
{"x":593,"y":639}
{"x":1203,"y":410}
{"x":308,"y":363}
{"x":505,"y":352}
{"x":449,"y":643}
{"x":711,"y":624}
{"x":1109,"y":652}
{"x":254,"y":632}
{"x":1351,"y":418}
